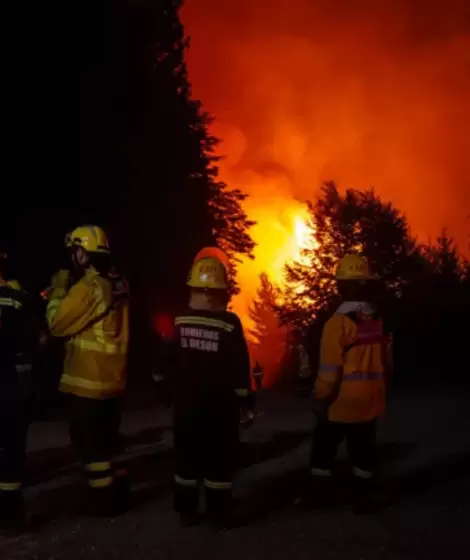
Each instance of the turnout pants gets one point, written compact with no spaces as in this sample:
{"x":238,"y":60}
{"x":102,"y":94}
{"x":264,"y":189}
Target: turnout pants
{"x":206,"y":451}
{"x":94,"y":432}
{"x":14,"y":421}
{"x":360,"y":443}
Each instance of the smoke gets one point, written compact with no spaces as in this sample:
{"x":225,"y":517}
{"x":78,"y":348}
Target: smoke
{"x":364,"y":92}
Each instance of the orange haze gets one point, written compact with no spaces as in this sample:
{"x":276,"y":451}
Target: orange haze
{"x":364,"y":92}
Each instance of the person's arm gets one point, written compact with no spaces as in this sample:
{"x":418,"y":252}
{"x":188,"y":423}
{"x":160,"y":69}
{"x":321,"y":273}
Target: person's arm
{"x":240,"y":359}
{"x":331,"y":362}
{"x":83,"y":304}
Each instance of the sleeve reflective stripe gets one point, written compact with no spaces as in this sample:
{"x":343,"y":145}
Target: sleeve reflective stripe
{"x":99,"y":346}
{"x":204,"y":321}
{"x":363,"y":376}
{"x":217,"y":485}
{"x":52,"y":308}
{"x":10,"y":486}
{"x":74,"y":381}
{"x":99,"y":466}
{"x":330,"y":368}
{"x":360,"y":473}
{"x":187,"y":482}
{"x":242,"y":392}
{"x":10,"y":302}
{"x":100,"y":482}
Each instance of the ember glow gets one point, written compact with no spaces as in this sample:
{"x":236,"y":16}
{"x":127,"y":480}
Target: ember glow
{"x":363,"y":93}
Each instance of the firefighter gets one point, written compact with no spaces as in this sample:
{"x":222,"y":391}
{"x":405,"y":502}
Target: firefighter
{"x":349,"y":394}
{"x":211,"y":395}
{"x":19,"y":339}
{"x":258,"y":375}
{"x":89,"y":307}
{"x":304,"y":372}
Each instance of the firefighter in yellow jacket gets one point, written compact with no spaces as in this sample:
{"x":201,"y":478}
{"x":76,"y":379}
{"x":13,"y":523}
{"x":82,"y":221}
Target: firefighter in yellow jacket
{"x":350,"y":386}
{"x":211,"y":394}
{"x":89,"y":307}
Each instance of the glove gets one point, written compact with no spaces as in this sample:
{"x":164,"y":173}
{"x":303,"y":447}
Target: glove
{"x":247,"y":418}
{"x":60,"y":280}
{"x":320,"y":410}
{"x":59,"y":284}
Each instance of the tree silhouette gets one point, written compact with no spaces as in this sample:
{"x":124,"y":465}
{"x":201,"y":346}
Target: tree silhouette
{"x":176,"y":201}
{"x":358,"y":221}
{"x":268,"y":335}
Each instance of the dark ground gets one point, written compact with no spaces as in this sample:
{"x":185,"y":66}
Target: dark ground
{"x":427,"y":489}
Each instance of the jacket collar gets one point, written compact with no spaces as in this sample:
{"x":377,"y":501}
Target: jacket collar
{"x":355,"y":306}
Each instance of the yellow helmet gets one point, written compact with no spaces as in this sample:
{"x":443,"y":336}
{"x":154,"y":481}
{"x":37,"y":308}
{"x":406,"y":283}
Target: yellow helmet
{"x":208,"y":273}
{"x":91,"y":238}
{"x":354,"y":267}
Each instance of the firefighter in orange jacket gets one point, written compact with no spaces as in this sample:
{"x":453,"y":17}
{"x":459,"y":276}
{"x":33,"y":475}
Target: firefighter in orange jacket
{"x":350,"y":386}
{"x":92,"y":314}
{"x":211,"y":394}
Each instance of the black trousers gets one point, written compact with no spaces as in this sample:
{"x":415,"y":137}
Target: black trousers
{"x":360,"y":443}
{"x":14,"y":422}
{"x":94,"y":432}
{"x":206,"y":443}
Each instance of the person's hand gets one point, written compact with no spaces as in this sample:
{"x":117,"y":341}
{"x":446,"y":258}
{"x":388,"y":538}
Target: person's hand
{"x":247,"y":418}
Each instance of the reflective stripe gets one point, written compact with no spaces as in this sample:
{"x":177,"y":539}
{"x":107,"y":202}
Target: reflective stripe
{"x":363,"y":376}
{"x":100,"y":482}
{"x":205,"y":321}
{"x":52,"y":308}
{"x":258,"y":374}
{"x":188,"y":482}
{"x":331,"y":368}
{"x":217,"y":485}
{"x":73,"y":381}
{"x":96,"y":467}
{"x":321,"y":472}
{"x":242,"y":392}
{"x":10,"y":302}
{"x":10,"y":486}
{"x":99,"y":346}
{"x":360,"y":473}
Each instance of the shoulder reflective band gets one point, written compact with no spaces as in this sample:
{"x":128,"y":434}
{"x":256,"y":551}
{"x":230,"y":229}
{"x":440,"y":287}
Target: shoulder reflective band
{"x":10,"y":302}
{"x":242,"y":392}
{"x":204,"y":321}
{"x":363,"y":376}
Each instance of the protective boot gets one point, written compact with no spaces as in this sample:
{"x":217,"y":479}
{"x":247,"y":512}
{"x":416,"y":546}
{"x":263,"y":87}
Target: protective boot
{"x":123,"y":492}
{"x":13,"y":514}
{"x":102,"y":502}
{"x":320,"y":493}
{"x":219,"y":509}
{"x":367,"y":497}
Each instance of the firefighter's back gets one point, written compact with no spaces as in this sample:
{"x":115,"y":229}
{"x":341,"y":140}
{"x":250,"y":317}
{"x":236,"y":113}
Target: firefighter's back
{"x":207,"y":361}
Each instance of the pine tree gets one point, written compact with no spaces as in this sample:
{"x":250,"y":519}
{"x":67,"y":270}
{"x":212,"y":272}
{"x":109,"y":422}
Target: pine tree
{"x":268,"y":335}
{"x":177,"y":203}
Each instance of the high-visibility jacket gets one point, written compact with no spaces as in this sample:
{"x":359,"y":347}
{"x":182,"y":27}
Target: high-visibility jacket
{"x":351,"y":376}
{"x":94,"y":315}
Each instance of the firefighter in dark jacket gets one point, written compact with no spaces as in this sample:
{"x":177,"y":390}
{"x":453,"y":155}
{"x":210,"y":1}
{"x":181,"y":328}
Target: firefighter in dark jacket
{"x":19,"y":341}
{"x":211,"y":394}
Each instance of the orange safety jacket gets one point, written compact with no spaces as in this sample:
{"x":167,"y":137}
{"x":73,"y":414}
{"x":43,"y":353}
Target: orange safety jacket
{"x":352,"y":371}
{"x":94,"y":316}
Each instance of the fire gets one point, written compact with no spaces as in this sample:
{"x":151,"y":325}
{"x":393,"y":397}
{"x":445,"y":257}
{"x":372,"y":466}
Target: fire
{"x":281,"y":233}
{"x":364,"y":93}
